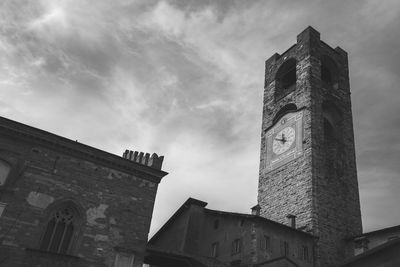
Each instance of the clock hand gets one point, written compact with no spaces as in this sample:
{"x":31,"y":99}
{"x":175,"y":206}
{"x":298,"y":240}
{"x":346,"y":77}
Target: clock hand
{"x":283,"y":140}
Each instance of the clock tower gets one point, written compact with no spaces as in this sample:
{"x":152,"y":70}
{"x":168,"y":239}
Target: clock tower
{"x":307,"y":162}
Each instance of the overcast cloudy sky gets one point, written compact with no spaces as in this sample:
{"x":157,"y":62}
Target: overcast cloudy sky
{"x":184,"y":79}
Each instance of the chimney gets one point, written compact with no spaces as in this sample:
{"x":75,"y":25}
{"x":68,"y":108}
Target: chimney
{"x":256,"y":210}
{"x":292,"y":220}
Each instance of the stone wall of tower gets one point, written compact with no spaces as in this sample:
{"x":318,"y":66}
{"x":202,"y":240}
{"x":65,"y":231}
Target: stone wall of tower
{"x":325,"y":200}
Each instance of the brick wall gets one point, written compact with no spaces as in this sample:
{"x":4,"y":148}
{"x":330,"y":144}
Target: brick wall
{"x":113,"y":198}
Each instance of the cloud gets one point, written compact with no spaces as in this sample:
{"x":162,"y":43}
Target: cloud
{"x":185,"y":79}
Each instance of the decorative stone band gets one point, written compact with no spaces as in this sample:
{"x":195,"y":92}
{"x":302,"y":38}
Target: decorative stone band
{"x":153,"y":161}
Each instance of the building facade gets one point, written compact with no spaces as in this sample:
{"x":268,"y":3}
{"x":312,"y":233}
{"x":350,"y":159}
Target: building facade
{"x":63,"y":203}
{"x":218,"y":238}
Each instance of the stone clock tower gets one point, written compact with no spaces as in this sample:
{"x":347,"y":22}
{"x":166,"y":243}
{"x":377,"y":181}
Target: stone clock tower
{"x":307,"y":163}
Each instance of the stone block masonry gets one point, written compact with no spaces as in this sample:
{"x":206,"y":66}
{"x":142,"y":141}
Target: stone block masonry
{"x":319,"y":187}
{"x":96,"y":206}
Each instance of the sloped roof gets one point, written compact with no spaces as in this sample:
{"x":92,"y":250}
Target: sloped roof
{"x":372,"y":252}
{"x":192,"y":201}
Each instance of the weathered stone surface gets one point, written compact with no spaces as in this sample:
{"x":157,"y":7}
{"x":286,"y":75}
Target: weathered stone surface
{"x":320,"y":187}
{"x":112,"y":197}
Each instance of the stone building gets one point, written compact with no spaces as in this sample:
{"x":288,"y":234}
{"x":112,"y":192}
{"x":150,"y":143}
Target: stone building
{"x":63,"y":203}
{"x":308,"y":198}
{"x":217,"y":238}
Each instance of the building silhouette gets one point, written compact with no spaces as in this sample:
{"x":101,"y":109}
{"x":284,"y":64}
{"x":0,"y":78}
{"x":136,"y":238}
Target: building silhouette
{"x":308,"y":211}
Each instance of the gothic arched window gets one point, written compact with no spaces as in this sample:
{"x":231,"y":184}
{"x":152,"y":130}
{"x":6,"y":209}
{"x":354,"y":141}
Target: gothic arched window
{"x":60,"y":230}
{"x":285,"y":79}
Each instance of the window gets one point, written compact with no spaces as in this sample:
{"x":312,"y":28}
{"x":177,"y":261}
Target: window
{"x":305,"y":253}
{"x":216,"y":224}
{"x":241,"y":223}
{"x":285,"y":248}
{"x":214,"y":249}
{"x":285,"y":79}
{"x":329,"y":72}
{"x":4,"y":171}
{"x":265,"y":243}
{"x":123,"y":260}
{"x":60,"y":231}
{"x":236,"y":246}
{"x":2,"y":208}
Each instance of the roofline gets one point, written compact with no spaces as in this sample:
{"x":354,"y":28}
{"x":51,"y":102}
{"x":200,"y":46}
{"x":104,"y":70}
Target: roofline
{"x":372,"y":251}
{"x":189,"y":202}
{"x":257,"y":217}
{"x":387,"y":229}
{"x":34,"y":135}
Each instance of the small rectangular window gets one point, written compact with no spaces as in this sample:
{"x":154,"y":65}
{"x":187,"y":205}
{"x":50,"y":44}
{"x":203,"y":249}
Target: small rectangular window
{"x":236,"y":246}
{"x":123,"y":260}
{"x":2,"y":208}
{"x":305,"y":253}
{"x":214,"y":249}
{"x":265,"y":243}
{"x":216,"y":224}
{"x":4,"y":171}
{"x":285,"y":251}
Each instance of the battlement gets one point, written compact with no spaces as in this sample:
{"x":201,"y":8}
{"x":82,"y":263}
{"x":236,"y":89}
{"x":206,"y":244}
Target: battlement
{"x":153,"y":161}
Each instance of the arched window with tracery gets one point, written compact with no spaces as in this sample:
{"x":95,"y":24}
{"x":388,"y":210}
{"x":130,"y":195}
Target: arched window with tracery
{"x":285,"y":79}
{"x":61,"y":230}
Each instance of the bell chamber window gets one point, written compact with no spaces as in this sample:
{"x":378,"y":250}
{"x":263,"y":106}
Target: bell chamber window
{"x":4,"y":172}
{"x":60,"y":231}
{"x":329,"y":72}
{"x":285,"y":79}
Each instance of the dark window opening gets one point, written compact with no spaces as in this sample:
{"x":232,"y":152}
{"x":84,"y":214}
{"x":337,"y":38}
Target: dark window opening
{"x":241,"y":223}
{"x":329,"y":72}
{"x":214,"y":249}
{"x":59,"y":232}
{"x":236,"y":246}
{"x":289,"y":78}
{"x":326,"y":75}
{"x":285,"y":79}
{"x":216,"y":224}
{"x":266,"y":243}
{"x":4,"y":172}
{"x":305,"y":253}
{"x":285,"y":248}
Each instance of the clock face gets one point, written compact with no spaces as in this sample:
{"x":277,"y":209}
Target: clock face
{"x":283,"y":140}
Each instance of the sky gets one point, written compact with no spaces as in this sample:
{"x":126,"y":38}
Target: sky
{"x":184,"y":79}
